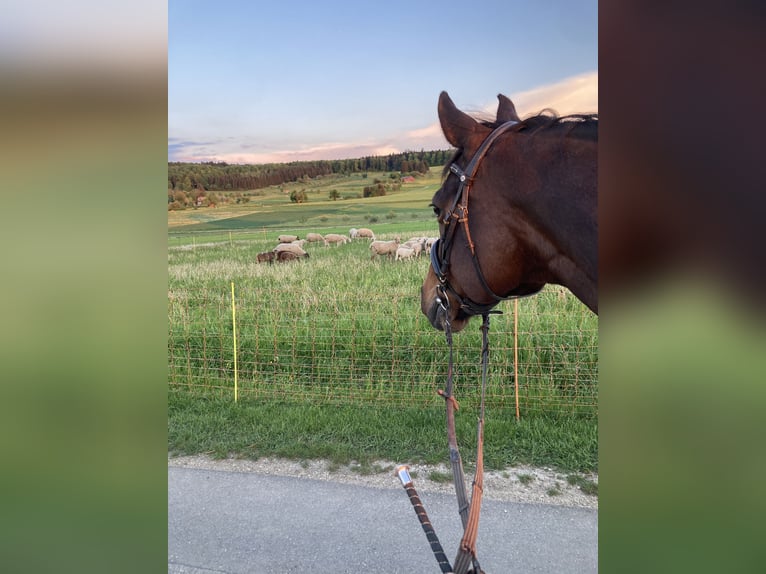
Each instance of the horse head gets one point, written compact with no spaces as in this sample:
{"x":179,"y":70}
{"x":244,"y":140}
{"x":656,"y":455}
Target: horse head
{"x":531,"y":221}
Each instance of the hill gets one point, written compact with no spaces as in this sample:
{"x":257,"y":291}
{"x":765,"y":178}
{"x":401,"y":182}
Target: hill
{"x":220,"y":176}
{"x":331,"y":201}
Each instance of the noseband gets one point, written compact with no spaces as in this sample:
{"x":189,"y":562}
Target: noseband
{"x":458,"y":213}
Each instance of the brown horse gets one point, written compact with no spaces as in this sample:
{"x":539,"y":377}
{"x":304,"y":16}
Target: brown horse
{"x":532,"y":219}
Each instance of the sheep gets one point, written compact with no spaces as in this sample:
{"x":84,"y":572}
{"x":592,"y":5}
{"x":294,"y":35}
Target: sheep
{"x":365,"y":233}
{"x":353,"y":233}
{"x":287,"y":238}
{"x":315,"y":237}
{"x":283,"y":256}
{"x":266,"y":257}
{"x":430,"y":242}
{"x":335,"y":239}
{"x":299,"y":242}
{"x":387,"y":248}
{"x":404,"y":253}
{"x":292,"y":248}
{"x":416,"y":245}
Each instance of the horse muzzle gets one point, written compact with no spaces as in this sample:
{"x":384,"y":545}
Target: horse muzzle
{"x":436,"y":312}
{"x":439,"y":309}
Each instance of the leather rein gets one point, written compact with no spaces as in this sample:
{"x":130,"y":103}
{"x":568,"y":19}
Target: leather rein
{"x":466,"y":560}
{"x":452,"y":218}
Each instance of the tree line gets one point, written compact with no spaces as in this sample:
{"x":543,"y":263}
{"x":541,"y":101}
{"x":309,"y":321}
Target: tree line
{"x":221,"y":176}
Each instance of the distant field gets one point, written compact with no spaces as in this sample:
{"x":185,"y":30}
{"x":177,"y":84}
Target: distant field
{"x":271,"y":207}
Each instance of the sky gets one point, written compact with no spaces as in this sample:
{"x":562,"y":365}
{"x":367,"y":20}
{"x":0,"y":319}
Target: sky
{"x":291,"y":80}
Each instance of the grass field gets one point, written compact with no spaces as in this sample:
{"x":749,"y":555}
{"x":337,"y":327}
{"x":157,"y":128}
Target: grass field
{"x":271,"y":207}
{"x":334,"y":357}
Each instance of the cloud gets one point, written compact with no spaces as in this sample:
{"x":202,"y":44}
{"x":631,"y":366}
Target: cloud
{"x":326,"y":151}
{"x":576,"y":94}
{"x":570,"y":95}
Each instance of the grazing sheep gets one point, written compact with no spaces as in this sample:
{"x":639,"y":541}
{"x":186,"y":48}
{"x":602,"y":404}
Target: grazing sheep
{"x":387,"y":248}
{"x":416,"y":245}
{"x":315,"y":237}
{"x":299,"y":242}
{"x":266,"y":257}
{"x":404,"y":253}
{"x":353,"y":233}
{"x":335,"y":239}
{"x":430,"y":242}
{"x":366,"y":233}
{"x":287,"y":238}
{"x":292,"y":248}
{"x":283,"y":256}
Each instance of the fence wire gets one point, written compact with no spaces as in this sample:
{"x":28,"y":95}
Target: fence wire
{"x":358,"y":349}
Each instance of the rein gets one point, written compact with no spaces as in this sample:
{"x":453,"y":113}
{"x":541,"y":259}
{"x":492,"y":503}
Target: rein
{"x":440,"y":255}
{"x":469,"y":511}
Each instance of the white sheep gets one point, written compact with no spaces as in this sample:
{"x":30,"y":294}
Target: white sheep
{"x":387,"y":248}
{"x":287,"y":238}
{"x":335,"y":239}
{"x":353,"y":233}
{"x":404,"y":253}
{"x":315,"y":237}
{"x":416,"y":245}
{"x":365,"y":233}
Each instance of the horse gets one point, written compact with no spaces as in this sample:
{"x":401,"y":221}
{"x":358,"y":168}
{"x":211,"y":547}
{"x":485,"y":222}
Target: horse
{"x":533,"y":212}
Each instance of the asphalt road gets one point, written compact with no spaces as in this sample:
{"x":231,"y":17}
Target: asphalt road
{"x":234,"y":522}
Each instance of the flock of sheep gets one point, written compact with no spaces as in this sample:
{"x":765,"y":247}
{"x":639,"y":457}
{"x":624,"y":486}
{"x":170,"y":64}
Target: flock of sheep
{"x":290,"y":247}
{"x":410,"y":249}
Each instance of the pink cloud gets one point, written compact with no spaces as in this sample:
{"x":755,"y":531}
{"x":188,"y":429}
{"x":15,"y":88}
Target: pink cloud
{"x":326,"y":151}
{"x":571,"y":95}
{"x":575,"y":94}
{"x":578,"y":94}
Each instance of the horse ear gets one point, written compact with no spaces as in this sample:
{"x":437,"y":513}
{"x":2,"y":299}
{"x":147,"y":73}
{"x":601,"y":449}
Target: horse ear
{"x":458,"y":127}
{"x":506,"y":111}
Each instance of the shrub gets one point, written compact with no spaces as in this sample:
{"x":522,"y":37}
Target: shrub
{"x":298,"y":196}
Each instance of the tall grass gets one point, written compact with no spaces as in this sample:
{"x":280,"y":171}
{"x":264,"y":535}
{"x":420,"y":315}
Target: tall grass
{"x":340,"y":328}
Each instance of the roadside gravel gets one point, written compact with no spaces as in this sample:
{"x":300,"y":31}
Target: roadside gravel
{"x":517,"y":484}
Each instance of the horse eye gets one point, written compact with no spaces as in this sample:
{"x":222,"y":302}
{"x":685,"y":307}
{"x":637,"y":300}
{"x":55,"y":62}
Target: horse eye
{"x":436,"y":210}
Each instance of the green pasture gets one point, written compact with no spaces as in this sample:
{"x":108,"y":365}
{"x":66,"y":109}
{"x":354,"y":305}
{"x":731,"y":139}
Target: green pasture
{"x":334,"y":345}
{"x":271,"y":207}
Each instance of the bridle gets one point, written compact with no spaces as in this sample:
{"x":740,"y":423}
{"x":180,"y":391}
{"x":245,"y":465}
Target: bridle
{"x":452,"y":218}
{"x":469,"y":510}
{"x":440,"y":254}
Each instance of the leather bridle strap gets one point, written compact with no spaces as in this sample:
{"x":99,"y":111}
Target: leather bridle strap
{"x":458,"y":213}
{"x":467,"y":551}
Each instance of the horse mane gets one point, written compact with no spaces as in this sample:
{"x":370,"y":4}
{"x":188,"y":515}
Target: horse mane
{"x":578,"y":126}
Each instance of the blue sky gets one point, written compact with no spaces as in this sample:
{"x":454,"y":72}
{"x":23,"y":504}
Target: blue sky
{"x":254,"y":82}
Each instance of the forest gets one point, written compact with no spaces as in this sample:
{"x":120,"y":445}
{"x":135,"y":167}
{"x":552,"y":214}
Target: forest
{"x":221,"y":176}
